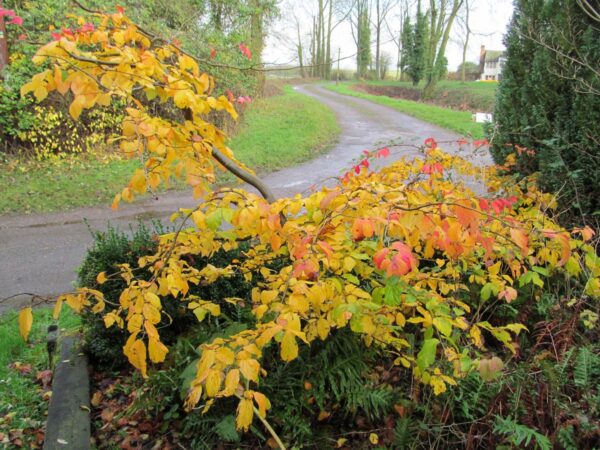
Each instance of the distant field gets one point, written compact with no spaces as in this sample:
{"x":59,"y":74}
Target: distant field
{"x":473,"y":96}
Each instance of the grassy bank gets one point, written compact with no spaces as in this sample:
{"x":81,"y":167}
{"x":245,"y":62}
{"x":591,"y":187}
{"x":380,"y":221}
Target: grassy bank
{"x":277,"y":132}
{"x":458,"y":121}
{"x":23,"y":404}
{"x":474,"y":96}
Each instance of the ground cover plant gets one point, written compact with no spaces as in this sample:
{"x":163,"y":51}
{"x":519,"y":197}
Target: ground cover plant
{"x":402,"y":280}
{"x":458,"y":121}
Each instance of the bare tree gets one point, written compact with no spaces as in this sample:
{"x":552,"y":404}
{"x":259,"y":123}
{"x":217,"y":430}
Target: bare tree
{"x":441,"y":18}
{"x":382,"y":9}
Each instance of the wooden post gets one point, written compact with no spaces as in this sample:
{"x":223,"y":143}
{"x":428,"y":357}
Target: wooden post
{"x":3,"y":42}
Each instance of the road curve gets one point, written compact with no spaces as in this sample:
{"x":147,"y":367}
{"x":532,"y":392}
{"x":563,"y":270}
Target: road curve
{"x":40,"y":253}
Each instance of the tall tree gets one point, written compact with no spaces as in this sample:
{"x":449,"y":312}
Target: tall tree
{"x":382,"y":9}
{"x":419,"y":50}
{"x":442,"y":14}
{"x":406,"y":40}
{"x":363,"y":56}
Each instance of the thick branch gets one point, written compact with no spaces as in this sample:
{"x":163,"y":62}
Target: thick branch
{"x":244,"y":175}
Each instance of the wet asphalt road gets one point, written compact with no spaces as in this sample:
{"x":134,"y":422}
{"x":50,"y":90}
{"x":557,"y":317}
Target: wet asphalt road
{"x":40,"y":253}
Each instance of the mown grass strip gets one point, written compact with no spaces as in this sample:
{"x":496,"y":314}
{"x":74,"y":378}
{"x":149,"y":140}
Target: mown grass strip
{"x":458,"y":121}
{"x":277,"y":132}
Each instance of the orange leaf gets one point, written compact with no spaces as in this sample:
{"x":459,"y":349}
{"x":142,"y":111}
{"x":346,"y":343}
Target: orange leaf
{"x":521,"y":239}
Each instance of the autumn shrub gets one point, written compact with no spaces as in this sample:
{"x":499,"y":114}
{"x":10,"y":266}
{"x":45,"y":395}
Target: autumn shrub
{"x":408,"y":257}
{"x":113,"y":248}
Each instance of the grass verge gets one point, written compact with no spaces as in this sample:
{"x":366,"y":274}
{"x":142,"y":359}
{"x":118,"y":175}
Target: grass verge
{"x":458,"y":121}
{"x":476,"y":96}
{"x":23,"y":382}
{"x":277,"y":132}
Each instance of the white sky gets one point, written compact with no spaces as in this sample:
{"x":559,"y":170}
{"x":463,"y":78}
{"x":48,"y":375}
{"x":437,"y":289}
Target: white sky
{"x":489,"y":20}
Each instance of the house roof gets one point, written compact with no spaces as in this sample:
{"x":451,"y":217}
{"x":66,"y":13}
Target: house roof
{"x":493,"y":55}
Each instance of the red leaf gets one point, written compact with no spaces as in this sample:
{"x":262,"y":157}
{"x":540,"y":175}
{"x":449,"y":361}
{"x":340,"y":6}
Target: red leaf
{"x":383,"y":153}
{"x":120,"y":9}
{"x":245,"y":51}
{"x":379,"y":258}
{"x":430,"y":142}
{"x":230,"y":96}
{"x":7,"y":12}
{"x":87,"y":28}
{"x":17,"y":20}
{"x":213,"y":53}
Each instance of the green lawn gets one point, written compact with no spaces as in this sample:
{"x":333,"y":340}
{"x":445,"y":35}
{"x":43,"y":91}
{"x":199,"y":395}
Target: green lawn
{"x":22,"y":406}
{"x":458,"y":121}
{"x":277,"y":132}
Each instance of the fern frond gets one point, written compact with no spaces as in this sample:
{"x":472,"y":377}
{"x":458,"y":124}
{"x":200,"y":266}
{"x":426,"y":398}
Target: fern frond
{"x":520,"y":435}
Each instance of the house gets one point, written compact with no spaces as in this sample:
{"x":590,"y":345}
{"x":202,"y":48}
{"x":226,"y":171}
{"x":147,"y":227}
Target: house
{"x":490,"y":64}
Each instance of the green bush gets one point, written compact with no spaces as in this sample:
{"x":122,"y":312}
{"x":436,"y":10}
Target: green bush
{"x":105,"y":346}
{"x":548,"y":103}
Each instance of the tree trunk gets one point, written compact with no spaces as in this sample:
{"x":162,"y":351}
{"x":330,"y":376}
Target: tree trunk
{"x":378,"y":39}
{"x":328,"y":57}
{"x":299,"y":48}
{"x":3,"y":43}
{"x":257,"y":40}
{"x":442,"y":34}
{"x":463,"y":74}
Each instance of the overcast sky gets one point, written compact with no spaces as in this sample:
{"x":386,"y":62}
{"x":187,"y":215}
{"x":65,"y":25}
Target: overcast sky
{"x":489,"y":19}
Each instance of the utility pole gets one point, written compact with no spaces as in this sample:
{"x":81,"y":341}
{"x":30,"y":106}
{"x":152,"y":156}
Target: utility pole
{"x":337,"y":77}
{"x":3,"y":42}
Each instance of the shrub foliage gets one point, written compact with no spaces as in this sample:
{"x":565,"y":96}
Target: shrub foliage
{"x":406,"y":258}
{"x":548,"y":105}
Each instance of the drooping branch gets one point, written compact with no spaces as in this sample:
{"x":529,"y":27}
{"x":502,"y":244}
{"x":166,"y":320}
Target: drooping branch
{"x":244,"y":175}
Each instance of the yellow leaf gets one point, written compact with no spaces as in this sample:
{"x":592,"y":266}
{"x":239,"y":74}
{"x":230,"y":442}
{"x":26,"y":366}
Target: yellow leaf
{"x":213,"y":382}
{"x":374,"y":439}
{"x":249,"y":368}
{"x":262,"y":402}
{"x":157,"y":350}
{"x":323,"y":328}
{"x":101,"y":278}
{"x":225,"y":355}
{"x":77,"y":106}
{"x":138,"y":182}
{"x":135,"y":350}
{"x":340,"y":442}
{"x":245,"y":413}
{"x":289,"y":347}
{"x":135,"y":323}
{"x":25,"y":322}
{"x":232,"y":380}
{"x":57,"y":308}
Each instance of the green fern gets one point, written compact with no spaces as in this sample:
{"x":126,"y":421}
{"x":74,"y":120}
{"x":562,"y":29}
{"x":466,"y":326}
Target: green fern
{"x":226,"y":430}
{"x":405,"y":433}
{"x":520,"y":435}
{"x":566,"y":438}
{"x":587,"y":364}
